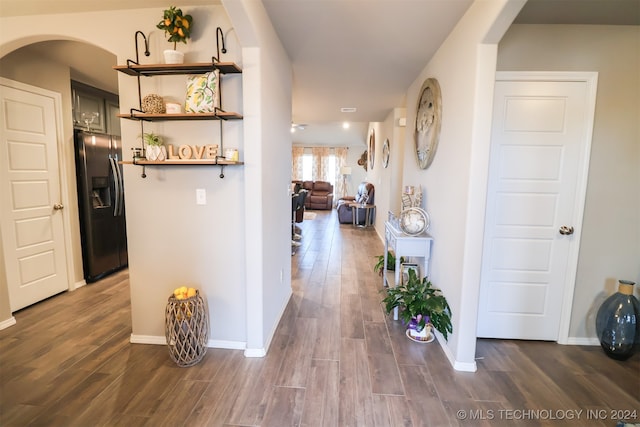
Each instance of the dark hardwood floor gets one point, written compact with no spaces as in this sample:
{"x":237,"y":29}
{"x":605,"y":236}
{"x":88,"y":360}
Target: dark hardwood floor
{"x":335,"y":360}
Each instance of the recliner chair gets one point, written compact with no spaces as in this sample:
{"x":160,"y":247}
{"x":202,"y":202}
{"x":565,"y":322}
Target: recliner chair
{"x":345,"y":212}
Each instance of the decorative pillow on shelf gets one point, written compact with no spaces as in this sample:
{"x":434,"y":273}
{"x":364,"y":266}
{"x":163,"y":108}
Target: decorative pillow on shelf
{"x":202,"y":93}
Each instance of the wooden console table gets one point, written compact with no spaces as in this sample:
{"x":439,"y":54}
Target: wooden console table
{"x":403,"y":245}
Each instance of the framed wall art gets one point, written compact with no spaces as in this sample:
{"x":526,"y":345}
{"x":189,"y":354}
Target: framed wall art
{"x":428,"y":121}
{"x":372,"y":147}
{"x":385,"y":153}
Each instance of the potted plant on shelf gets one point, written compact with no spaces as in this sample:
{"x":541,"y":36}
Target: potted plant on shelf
{"x":421,"y":306}
{"x":155,"y":150}
{"x":178,"y":27}
{"x":391,"y":263}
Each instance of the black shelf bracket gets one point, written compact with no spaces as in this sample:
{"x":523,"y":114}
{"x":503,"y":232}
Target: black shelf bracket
{"x":146,"y":46}
{"x":146,"y":53}
{"x":219,"y":36}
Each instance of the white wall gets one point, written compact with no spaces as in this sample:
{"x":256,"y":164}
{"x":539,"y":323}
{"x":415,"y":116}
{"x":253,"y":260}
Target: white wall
{"x":358,"y":174}
{"x":267,"y":98}
{"x":610,"y":245}
{"x":172,"y":241}
{"x":455,"y":184}
{"x":388,"y":181}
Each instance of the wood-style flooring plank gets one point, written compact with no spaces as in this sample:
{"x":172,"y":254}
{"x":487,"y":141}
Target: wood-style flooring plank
{"x":321,"y":397}
{"x":296,"y":361}
{"x":422,"y":399}
{"x":385,"y":377}
{"x":335,"y":360}
{"x":355,"y":394}
{"x":285,"y":407}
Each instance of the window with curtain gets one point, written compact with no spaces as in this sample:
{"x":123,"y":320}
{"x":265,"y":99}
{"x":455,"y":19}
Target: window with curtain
{"x":320,"y":164}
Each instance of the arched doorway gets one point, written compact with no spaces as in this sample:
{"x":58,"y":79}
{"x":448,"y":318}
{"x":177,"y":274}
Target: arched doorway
{"x":51,"y":65}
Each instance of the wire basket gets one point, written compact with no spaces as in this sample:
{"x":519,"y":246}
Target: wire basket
{"x":186,"y":329}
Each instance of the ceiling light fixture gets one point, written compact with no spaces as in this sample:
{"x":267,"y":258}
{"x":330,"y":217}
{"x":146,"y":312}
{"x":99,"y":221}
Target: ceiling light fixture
{"x":297,"y":126}
{"x":345,"y":125}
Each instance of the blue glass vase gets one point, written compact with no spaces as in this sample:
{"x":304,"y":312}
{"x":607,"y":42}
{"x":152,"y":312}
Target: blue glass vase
{"x":618,"y":322}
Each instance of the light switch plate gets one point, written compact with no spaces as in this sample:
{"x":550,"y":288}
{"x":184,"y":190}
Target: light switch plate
{"x":201,"y":196}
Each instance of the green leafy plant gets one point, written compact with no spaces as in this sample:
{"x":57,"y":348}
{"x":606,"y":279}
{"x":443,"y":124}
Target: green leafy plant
{"x":419,"y":301}
{"x":391,"y":263}
{"x":176,"y":25}
{"x":151,"y":139}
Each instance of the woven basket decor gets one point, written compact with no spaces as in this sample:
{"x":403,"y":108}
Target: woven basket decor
{"x":186,"y":329}
{"x":153,"y":104}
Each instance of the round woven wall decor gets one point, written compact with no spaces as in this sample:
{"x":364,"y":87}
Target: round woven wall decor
{"x":153,"y":104}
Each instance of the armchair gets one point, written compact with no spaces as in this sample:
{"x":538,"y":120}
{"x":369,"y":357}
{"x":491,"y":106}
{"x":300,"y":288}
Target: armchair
{"x":320,"y":194}
{"x":345,"y":213}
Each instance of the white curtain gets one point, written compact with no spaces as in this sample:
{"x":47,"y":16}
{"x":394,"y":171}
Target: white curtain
{"x":320,"y":163}
{"x":296,"y":165}
{"x":341,"y":160}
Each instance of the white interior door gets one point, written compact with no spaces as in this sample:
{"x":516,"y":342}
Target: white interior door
{"x":31,"y":217}
{"x":539,"y":155}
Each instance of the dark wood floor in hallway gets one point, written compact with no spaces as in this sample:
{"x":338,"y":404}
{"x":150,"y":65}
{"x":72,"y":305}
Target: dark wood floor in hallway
{"x":336,"y":360}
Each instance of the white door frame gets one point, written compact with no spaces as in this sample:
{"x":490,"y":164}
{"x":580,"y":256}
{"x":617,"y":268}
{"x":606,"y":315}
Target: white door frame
{"x":591,"y":80}
{"x":62,"y":170}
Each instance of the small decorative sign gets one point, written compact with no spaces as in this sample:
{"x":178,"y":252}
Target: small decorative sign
{"x":193,"y":152}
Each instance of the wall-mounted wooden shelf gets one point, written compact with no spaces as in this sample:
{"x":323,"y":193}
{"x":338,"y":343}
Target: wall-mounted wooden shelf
{"x":219,"y":115}
{"x":209,"y":162}
{"x":134,"y":69}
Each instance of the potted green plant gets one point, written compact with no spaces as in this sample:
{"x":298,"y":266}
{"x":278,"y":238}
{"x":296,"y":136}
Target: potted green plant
{"x":155,"y":150}
{"x":391,"y":263}
{"x":178,"y":27}
{"x":420,"y":306}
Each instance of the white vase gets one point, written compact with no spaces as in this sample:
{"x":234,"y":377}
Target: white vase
{"x":173,"y":57}
{"x":156,"y":153}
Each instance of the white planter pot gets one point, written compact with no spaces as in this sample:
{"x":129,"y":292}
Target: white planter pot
{"x":156,"y":153}
{"x":173,"y":57}
{"x":424,"y":336}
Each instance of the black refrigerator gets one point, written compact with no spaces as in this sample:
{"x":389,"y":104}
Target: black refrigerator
{"x":101,"y":203}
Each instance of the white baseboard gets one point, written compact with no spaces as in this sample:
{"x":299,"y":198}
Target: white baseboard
{"x":229,"y":345}
{"x":255,"y":352}
{"x":147,"y":339}
{"x":7,"y":323}
{"x":457,"y":365}
{"x":261,"y":352}
{"x":465,"y":366}
{"x":582,"y":341}
{"x":80,"y":284}
{"x":161,"y":340}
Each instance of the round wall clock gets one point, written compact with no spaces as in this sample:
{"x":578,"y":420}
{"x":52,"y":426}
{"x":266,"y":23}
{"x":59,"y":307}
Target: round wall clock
{"x":428,"y":117}
{"x":372,"y":148}
{"x":385,"y":153}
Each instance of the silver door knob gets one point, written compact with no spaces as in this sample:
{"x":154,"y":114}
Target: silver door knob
{"x":58,"y":206}
{"x":565,"y":230}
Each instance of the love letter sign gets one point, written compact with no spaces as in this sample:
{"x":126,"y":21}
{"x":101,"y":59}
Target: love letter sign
{"x":197,"y":152}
